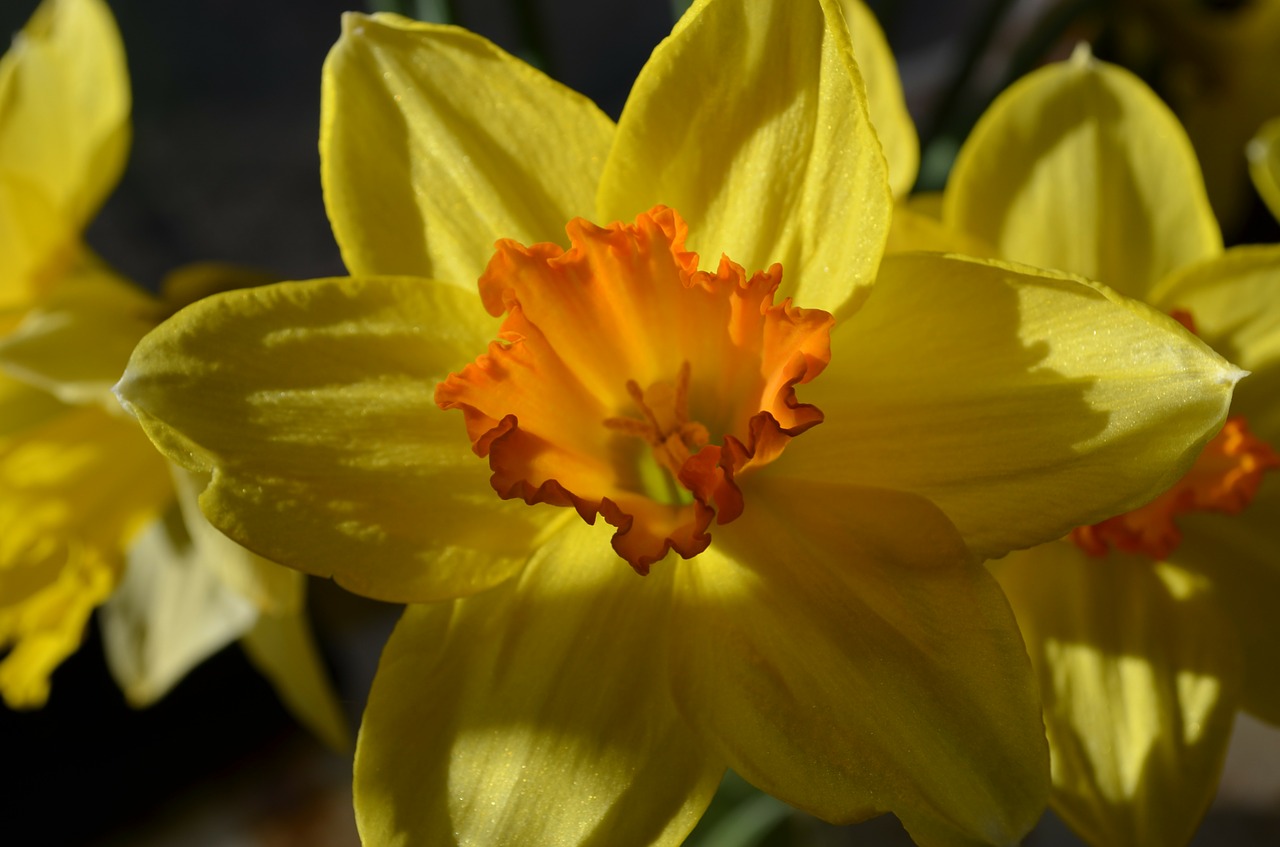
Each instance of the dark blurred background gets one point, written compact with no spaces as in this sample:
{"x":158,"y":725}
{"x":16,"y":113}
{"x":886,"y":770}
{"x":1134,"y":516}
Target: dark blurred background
{"x":224,"y":166}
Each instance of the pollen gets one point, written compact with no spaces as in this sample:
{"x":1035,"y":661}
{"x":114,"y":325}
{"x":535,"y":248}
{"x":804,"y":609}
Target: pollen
{"x":1225,"y":478}
{"x":627,"y":383}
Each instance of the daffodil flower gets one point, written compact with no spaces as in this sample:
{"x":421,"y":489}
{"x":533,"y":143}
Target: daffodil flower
{"x":667,"y":491}
{"x":82,"y":492}
{"x":1149,"y":630}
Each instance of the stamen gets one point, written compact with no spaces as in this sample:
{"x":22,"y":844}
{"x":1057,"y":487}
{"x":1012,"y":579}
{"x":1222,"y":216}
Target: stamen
{"x":666,"y":428}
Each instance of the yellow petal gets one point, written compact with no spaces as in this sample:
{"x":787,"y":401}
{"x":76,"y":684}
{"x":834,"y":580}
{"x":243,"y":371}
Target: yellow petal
{"x":37,"y":244}
{"x":785,"y":166}
{"x":535,"y":714}
{"x":268,"y":587}
{"x":434,"y":144}
{"x":76,"y":344}
{"x":79,"y":478}
{"x":282,"y":647}
{"x":1022,"y":403}
{"x":840,"y":649}
{"x":1234,"y":301}
{"x":888,"y":107}
{"x":64,"y":106}
{"x":278,"y":638}
{"x":1080,"y":167}
{"x":913,"y":230}
{"x":46,"y":627}
{"x":75,"y":487}
{"x":1139,"y":670}
{"x":168,"y":614}
{"x":1240,"y":555}
{"x":1264,"y":164}
{"x":313,"y":406}
{"x":23,"y":407}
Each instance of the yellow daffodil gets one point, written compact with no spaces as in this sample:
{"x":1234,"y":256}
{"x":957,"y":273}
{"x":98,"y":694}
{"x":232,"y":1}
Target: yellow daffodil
{"x":775,"y":490}
{"x":1151,"y":629}
{"x":82,"y":492}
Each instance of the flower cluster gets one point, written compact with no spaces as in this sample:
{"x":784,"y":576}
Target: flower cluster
{"x":691,"y":441}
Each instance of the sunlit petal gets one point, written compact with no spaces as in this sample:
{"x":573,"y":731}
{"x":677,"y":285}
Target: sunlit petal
{"x":852,"y":659}
{"x":534,"y":714}
{"x":785,"y":168}
{"x":312,"y":405}
{"x":1139,"y":669}
{"x":435,"y":143}
{"x":1021,"y":403}
{"x":1234,"y":301}
{"x":1080,"y":167}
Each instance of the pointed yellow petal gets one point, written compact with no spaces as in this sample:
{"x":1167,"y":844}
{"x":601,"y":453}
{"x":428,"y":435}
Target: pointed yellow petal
{"x":282,"y":647}
{"x":313,"y":406}
{"x":1234,"y":301}
{"x":535,"y":714}
{"x":64,"y":106}
{"x":37,"y":244}
{"x":434,"y":144}
{"x":76,"y":344}
{"x":1080,"y":167}
{"x":1023,"y":404}
{"x":785,"y":166}
{"x":888,"y":107}
{"x":839,"y":648}
{"x":168,"y":614}
{"x":1264,"y":164}
{"x":1139,"y":669}
{"x":1240,"y":555}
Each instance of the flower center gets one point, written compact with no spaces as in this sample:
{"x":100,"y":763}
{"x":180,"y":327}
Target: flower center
{"x":627,"y":383}
{"x":666,"y":428}
{"x":1224,"y":478}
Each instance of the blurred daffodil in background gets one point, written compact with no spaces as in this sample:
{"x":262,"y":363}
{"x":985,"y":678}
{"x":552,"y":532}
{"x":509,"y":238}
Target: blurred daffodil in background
{"x":1214,"y":62}
{"x":1150,"y":630}
{"x":723,"y":369}
{"x":91,"y":517}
